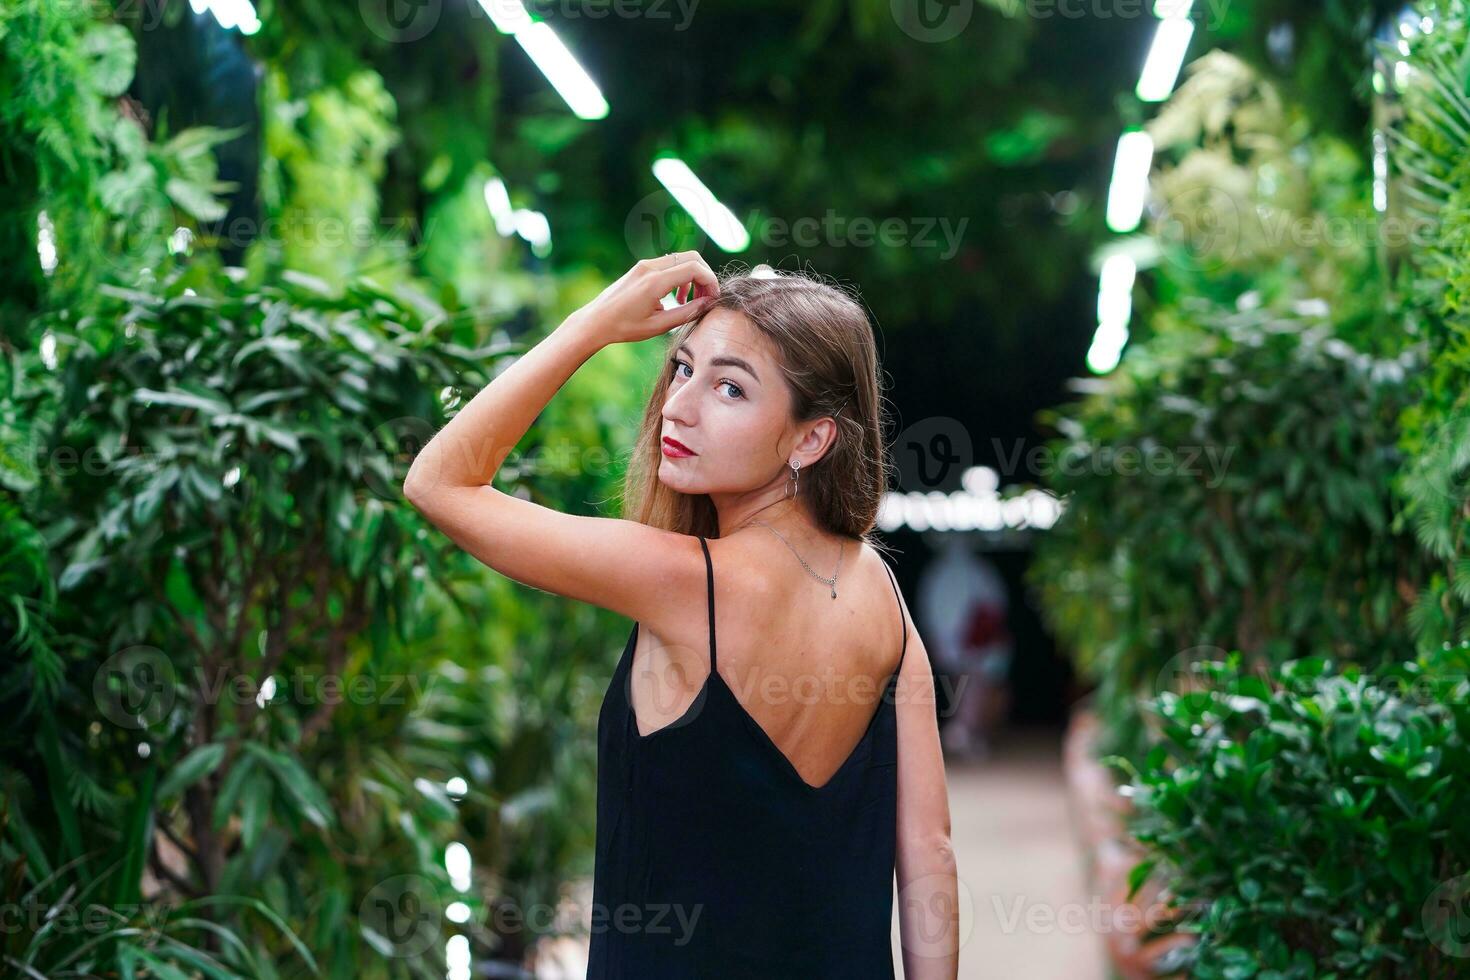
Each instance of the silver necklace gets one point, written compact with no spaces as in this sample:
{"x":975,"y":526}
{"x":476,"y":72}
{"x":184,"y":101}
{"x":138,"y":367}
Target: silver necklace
{"x":831,"y":582}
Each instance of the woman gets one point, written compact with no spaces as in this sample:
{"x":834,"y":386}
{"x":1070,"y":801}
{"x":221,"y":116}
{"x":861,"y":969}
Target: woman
{"x":755,"y":795}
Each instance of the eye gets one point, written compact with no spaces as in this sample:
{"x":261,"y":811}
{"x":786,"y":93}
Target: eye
{"x":736,"y":390}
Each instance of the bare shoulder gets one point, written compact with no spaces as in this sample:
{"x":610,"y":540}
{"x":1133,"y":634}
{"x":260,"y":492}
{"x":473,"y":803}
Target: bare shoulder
{"x":681,"y":589}
{"x":745,"y":572}
{"x":915,"y":672}
{"x":884,"y":573}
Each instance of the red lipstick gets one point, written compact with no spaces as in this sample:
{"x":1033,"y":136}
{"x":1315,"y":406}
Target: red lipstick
{"x":675,"y":449}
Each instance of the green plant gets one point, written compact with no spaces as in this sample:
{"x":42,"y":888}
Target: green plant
{"x":228,"y":525}
{"x":1227,"y":486}
{"x":1310,"y":50}
{"x":78,"y":172}
{"x":1431,"y":154}
{"x":1267,"y":383}
{"x":1311,"y":821}
{"x":219,"y":465}
{"x":324,"y":154}
{"x":1250,"y":201}
{"x":63,"y":922}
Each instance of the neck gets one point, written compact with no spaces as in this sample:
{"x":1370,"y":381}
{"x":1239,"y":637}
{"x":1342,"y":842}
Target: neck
{"x":772,"y":508}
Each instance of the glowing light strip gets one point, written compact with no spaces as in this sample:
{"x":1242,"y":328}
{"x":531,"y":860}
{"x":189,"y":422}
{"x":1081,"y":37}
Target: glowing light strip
{"x":1114,"y":307}
{"x":1165,"y":58}
{"x":1129,"y":186}
{"x":716,"y":220}
{"x":530,"y":225}
{"x":546,"y":49}
{"x":977,"y":507}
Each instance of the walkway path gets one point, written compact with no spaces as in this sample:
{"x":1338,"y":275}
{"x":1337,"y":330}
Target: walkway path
{"x":1027,"y":911}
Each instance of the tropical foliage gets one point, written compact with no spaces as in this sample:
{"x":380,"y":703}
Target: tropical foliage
{"x":1280,"y":651}
{"x":250,"y":699}
{"x":1313,"y":816}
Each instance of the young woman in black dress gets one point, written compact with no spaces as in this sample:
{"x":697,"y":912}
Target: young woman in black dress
{"x":768,"y":749}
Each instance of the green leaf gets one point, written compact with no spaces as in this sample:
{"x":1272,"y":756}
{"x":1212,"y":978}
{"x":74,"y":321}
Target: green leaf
{"x":1138,"y":874}
{"x":137,"y":840}
{"x":184,"y":399}
{"x":229,"y":794}
{"x":192,"y":768}
{"x":255,"y":810}
{"x":265,"y":911}
{"x":160,"y":968}
{"x":194,"y":200}
{"x":308,"y":798}
{"x":114,"y":57}
{"x":123,"y":192}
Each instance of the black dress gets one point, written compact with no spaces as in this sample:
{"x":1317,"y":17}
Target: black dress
{"x":715,"y":858}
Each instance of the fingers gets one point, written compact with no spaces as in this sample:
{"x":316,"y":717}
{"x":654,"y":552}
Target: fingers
{"x":694,"y":270}
{"x":670,"y":259}
{"x":676,"y":316}
{"x":675,"y":260}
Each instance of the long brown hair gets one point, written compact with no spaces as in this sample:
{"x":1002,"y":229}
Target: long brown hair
{"x":825,"y":347}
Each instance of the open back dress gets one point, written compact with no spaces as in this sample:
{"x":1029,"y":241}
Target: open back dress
{"x":715,"y":858}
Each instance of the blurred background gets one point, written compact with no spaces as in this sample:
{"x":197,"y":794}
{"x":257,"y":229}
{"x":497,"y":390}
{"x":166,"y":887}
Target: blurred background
{"x":1171,"y":304}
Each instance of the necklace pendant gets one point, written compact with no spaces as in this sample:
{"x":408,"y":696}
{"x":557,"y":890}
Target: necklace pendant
{"x":834,"y":592}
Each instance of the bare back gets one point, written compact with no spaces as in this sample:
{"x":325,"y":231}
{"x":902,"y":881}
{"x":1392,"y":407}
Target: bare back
{"x":807,"y":668}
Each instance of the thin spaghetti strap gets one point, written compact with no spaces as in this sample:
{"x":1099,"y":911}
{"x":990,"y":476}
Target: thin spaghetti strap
{"x":903,"y":619}
{"x":709,"y":569}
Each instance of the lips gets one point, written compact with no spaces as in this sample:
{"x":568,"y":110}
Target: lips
{"x":673,"y":447}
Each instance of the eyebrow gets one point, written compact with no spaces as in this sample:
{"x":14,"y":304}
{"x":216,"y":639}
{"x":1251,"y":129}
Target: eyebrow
{"x":726,"y":362}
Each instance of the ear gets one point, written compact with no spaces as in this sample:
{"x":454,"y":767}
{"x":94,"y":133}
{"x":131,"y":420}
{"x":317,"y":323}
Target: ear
{"x":818,"y":439}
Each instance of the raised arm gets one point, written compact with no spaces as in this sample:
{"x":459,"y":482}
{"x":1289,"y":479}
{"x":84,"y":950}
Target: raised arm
{"x":928,"y":883}
{"x":450,"y":479}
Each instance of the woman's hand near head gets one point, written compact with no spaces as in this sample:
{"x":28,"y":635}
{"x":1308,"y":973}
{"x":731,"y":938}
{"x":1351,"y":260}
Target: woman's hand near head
{"x":631,"y":309}
{"x":660,"y":574}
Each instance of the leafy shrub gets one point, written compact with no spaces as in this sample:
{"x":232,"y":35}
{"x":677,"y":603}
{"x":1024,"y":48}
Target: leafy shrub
{"x":1256,"y":514}
{"x":1314,"y":820}
{"x":217,"y":470}
{"x":212,"y":482}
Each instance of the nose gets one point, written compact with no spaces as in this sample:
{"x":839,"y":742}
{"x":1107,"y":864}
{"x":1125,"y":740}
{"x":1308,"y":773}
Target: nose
{"x":678,"y":408}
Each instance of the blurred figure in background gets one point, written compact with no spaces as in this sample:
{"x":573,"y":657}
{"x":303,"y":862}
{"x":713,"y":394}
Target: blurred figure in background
{"x":964,"y":604}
